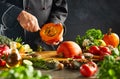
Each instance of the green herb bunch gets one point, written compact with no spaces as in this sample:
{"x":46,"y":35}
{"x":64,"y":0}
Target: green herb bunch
{"x":39,"y":63}
{"x":92,"y":36}
{"x":109,"y":68}
{"x":4,"y":40}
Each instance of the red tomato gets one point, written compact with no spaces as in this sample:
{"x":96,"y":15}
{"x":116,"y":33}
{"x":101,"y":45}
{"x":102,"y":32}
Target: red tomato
{"x":94,"y":50}
{"x":2,"y":63}
{"x":69,"y":49}
{"x":88,"y":69}
{"x":105,"y":51}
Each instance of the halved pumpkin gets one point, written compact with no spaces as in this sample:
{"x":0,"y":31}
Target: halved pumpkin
{"x":51,"y":32}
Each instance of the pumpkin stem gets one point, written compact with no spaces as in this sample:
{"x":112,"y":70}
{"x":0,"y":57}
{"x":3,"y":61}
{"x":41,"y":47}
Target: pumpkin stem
{"x":109,"y":31}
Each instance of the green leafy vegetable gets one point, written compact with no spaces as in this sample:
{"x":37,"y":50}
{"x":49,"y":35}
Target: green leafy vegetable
{"x":39,"y":63}
{"x":94,"y":33}
{"x":44,"y":64}
{"x":4,"y":40}
{"x":91,"y":37}
{"x":23,"y":72}
{"x":19,"y":40}
{"x":118,"y":47}
{"x":109,"y":68}
{"x":115,"y":52}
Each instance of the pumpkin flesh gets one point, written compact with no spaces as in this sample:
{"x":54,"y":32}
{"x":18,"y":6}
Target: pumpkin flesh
{"x":51,"y":32}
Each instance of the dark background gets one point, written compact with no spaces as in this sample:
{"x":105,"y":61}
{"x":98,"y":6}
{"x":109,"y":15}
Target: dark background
{"x":86,"y":14}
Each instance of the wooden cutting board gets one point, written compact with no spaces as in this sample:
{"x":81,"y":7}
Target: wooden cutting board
{"x":49,"y":55}
{"x":46,"y":55}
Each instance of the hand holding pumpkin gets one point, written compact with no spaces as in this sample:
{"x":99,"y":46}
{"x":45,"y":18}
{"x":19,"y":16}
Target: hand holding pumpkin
{"x":52,"y":33}
{"x":56,"y":42}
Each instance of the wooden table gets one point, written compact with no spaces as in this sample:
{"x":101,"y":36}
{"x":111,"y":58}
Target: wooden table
{"x":65,"y":74}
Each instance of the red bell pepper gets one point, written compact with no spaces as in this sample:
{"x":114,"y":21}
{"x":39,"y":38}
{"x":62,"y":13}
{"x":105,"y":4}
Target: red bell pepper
{"x":88,"y":69}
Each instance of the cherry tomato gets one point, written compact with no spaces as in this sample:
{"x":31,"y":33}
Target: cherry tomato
{"x":88,"y":69}
{"x":94,"y":50}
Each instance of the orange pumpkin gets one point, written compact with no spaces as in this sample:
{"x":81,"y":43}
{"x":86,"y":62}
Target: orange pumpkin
{"x":111,"y":38}
{"x":51,"y":32}
{"x":69,"y":49}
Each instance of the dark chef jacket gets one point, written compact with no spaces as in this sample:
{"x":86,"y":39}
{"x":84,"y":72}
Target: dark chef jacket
{"x":45,"y":10}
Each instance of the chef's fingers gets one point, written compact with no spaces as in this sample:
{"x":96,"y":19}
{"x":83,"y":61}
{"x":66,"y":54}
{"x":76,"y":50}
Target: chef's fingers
{"x":55,"y":42}
{"x":28,"y":21}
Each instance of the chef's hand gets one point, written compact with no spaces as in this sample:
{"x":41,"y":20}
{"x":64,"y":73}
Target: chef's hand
{"x":28,"y":21}
{"x":56,"y":42}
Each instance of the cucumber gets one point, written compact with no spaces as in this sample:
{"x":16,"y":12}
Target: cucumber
{"x":27,"y":62}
